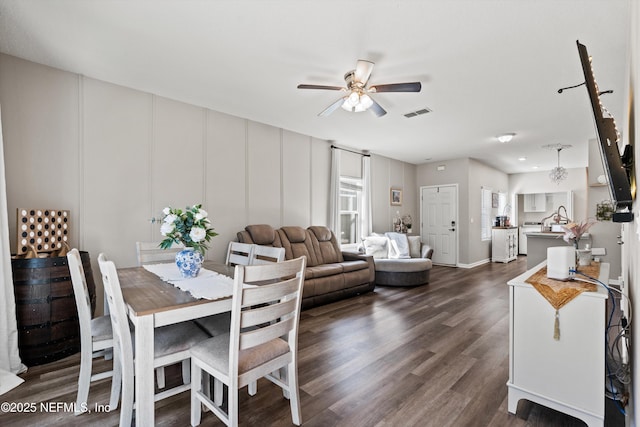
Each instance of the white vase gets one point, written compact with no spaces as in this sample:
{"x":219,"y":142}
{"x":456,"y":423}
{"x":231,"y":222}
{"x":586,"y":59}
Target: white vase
{"x":189,"y":262}
{"x":584,"y":257}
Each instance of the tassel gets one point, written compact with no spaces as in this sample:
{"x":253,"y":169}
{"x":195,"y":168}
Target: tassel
{"x":556,"y":327}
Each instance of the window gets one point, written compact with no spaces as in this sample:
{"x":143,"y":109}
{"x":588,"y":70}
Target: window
{"x":350,"y":209}
{"x":485,"y":214}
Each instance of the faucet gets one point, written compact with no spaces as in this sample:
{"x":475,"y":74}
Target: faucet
{"x":559,"y":217}
{"x":543,"y":220}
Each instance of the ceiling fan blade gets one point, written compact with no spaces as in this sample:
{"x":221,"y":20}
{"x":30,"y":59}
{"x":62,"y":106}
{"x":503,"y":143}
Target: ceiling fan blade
{"x":377,"y":109}
{"x":303,"y":86}
{"x":363,"y":71}
{"x":397,"y":87}
{"x":331,"y":108}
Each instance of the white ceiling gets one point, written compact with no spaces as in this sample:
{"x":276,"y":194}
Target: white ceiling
{"x":487,"y":66}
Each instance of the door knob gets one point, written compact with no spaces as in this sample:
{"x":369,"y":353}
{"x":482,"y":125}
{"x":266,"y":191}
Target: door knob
{"x":452,"y":229}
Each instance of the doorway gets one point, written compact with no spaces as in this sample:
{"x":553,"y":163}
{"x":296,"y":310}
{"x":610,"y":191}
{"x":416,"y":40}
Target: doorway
{"x":439,"y":222}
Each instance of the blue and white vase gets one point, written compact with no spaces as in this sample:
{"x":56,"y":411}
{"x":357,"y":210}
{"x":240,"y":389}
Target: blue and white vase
{"x":189,"y":262}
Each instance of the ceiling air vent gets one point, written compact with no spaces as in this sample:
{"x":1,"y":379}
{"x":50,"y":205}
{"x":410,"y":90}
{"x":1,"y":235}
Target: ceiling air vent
{"x":417,"y":113}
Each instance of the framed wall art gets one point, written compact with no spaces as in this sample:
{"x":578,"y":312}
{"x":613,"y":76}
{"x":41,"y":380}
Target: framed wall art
{"x":396,"y":197}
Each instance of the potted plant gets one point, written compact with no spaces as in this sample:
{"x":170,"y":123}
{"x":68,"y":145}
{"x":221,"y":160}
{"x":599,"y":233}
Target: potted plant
{"x":604,"y":210}
{"x":192,"y":229}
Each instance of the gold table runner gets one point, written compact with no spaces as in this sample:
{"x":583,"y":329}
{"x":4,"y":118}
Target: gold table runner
{"x":558,"y":293}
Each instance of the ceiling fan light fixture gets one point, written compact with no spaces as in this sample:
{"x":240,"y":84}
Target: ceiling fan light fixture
{"x":357,"y":102}
{"x":366,"y":101}
{"x":354,"y":98}
{"x":357,"y":89}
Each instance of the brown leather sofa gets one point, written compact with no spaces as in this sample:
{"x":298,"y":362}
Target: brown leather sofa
{"x":331,"y":275}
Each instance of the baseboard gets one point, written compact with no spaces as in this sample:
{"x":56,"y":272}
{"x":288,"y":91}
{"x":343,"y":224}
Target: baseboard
{"x":475,"y":264}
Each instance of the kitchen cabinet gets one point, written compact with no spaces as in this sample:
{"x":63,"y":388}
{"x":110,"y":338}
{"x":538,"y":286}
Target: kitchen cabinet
{"x":504,"y":244}
{"x":535,"y":202}
{"x":567,"y":374}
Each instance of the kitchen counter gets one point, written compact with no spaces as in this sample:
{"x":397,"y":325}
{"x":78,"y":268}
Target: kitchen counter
{"x":548,"y":234}
{"x":538,"y":242}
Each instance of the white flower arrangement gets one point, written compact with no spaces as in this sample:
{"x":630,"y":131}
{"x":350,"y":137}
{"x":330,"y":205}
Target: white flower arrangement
{"x":190,"y":227}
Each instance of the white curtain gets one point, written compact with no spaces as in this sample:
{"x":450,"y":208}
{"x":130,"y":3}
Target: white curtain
{"x":366,"y":227}
{"x":334,"y":193}
{"x":10,"y":363}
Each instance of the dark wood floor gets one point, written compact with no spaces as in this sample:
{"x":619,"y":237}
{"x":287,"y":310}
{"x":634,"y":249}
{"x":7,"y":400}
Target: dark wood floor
{"x":434,"y":355}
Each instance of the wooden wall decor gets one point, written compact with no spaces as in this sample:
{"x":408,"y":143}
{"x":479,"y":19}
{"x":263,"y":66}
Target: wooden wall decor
{"x":44,"y":230}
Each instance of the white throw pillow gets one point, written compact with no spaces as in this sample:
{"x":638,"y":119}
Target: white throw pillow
{"x":399,"y":245}
{"x":414,"y":246}
{"x":376,"y":246}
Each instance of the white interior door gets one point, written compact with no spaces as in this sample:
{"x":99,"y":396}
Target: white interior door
{"x":439,"y":222}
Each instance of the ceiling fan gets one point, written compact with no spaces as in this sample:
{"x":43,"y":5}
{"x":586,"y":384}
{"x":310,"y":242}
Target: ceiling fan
{"x":357,"y":98}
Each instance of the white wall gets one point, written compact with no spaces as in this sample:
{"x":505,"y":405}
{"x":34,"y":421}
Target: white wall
{"x":389,"y":173}
{"x":539,"y":182}
{"x":115,"y":157}
{"x":471,"y":176}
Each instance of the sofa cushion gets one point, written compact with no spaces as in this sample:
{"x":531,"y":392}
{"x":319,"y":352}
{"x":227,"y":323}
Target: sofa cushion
{"x":376,"y":246}
{"x":325,"y":245}
{"x":323,"y":270}
{"x":261,"y":234}
{"x":296,"y":243}
{"x":348,"y":266}
{"x":398,"y":245}
{"x":414,"y":246}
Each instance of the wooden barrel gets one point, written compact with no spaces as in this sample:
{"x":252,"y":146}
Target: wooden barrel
{"x":46,"y":311}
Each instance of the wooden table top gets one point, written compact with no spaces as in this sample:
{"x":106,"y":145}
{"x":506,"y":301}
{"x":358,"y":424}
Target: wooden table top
{"x":145,"y":293}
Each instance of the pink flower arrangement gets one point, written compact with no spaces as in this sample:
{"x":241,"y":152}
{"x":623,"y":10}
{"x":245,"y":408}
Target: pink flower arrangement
{"x":574,"y":231}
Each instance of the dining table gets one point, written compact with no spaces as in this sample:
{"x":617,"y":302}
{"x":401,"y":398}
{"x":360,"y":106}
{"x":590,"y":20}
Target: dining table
{"x":151,"y":303}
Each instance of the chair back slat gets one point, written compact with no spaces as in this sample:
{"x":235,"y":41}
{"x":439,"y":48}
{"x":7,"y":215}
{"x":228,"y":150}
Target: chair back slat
{"x":239,"y":253}
{"x":267,"y":293}
{"x":266,"y":314}
{"x":266,"y":333}
{"x":266,"y":254}
{"x":152,"y":253}
{"x":265,"y":272}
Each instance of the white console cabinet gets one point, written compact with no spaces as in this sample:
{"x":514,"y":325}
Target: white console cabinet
{"x":504,"y":244}
{"x":568,"y":374}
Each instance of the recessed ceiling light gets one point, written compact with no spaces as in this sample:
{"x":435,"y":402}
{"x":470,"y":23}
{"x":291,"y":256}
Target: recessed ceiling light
{"x":535,"y":167}
{"x":505,"y":137}
{"x":522,"y":159}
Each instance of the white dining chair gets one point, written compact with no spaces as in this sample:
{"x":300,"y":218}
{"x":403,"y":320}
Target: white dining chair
{"x":172,"y":344}
{"x":263,"y":339}
{"x":266,"y":254}
{"x":96,"y":338}
{"x":239,"y":253}
{"x":152,"y":253}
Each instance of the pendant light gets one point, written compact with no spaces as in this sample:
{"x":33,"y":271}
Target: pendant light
{"x":558,"y":173}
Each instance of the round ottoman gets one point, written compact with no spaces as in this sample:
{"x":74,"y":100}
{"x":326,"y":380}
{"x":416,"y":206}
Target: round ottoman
{"x":402,"y":272}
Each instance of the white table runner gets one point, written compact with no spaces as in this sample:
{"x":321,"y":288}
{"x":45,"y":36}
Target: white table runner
{"x":208,"y":284}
